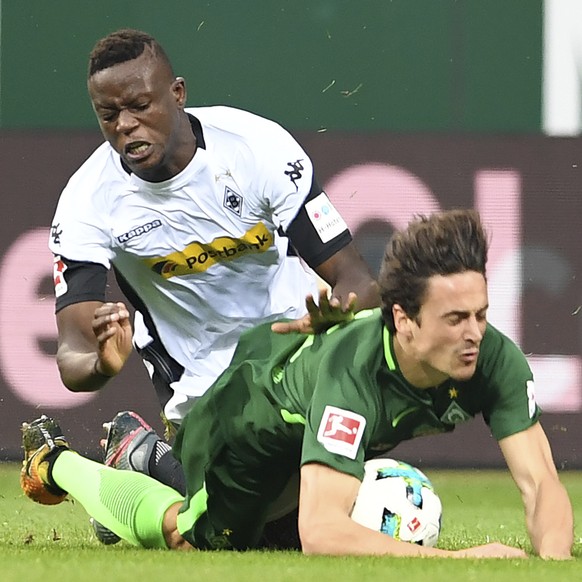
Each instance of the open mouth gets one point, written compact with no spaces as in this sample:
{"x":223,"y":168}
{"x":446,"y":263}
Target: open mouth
{"x":137,"y":149}
{"x":469,"y":356}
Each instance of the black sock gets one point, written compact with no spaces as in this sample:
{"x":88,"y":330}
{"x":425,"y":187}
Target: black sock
{"x":164,"y":467}
{"x":51,"y":457}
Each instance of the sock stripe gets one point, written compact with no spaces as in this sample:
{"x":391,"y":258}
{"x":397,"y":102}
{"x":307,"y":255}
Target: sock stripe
{"x":161,"y":449}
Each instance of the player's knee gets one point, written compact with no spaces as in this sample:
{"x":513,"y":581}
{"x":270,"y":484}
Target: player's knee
{"x":176,"y":542}
{"x":173,"y":537}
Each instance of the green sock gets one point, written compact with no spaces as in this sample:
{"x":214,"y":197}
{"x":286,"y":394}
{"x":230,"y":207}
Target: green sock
{"x":128,"y":503}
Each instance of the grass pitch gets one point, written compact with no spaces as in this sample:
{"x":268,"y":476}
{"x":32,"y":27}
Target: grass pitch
{"x":48,"y":544}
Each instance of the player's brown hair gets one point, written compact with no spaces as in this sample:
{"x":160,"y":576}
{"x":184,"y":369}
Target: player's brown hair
{"x":121,"y":46}
{"x":443,"y":243}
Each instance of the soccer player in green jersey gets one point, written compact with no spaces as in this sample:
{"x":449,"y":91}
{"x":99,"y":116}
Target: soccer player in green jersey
{"x":323,"y":404}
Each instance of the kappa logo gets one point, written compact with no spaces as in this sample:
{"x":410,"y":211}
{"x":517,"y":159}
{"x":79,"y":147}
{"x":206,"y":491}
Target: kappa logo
{"x":56,"y":232}
{"x":139,"y":230}
{"x":295,"y":172}
{"x":232,"y":201}
{"x":341,"y":431}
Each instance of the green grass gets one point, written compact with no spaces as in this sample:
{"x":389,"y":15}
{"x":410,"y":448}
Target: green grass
{"x":56,"y":543}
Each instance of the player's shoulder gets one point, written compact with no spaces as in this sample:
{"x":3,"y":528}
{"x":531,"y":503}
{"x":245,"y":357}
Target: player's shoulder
{"x":496,"y":347}
{"x":366,"y":319}
{"x":224,"y":114}
{"x":101,"y":168}
{"x":361,"y":337}
{"x":496,"y":339}
{"x":234,"y":122}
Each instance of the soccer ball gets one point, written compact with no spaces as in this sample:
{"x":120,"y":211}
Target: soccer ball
{"x":399,"y":500}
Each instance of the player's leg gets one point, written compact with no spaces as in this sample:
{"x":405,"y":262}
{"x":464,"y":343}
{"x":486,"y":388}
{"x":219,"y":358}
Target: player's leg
{"x":130,"y":504}
{"x":134,"y":506}
{"x":224,"y":507}
{"x":281,"y":530}
{"x":228,"y":510}
{"x":172,"y":536}
{"x":132,"y":444}
{"x":230,"y":502}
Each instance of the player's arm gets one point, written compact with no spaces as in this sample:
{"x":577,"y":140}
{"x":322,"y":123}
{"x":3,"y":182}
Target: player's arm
{"x":325,"y":527}
{"x":94,"y":343}
{"x":548,"y":510}
{"x":334,"y":257}
{"x":347,"y":273}
{"x":94,"y":337}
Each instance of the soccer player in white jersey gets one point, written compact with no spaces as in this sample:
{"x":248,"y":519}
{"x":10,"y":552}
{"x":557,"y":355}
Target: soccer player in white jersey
{"x":204,"y":214}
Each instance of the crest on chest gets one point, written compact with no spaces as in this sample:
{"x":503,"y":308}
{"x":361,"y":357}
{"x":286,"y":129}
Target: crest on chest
{"x":232,"y":201}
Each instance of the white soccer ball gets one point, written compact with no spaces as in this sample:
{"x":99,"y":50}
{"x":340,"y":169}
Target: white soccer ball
{"x":397,"y":499}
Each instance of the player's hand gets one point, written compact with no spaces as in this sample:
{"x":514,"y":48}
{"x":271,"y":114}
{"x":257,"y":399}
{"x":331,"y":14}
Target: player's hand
{"x":321,"y":315}
{"x":493,"y":550}
{"x":112,"y":329}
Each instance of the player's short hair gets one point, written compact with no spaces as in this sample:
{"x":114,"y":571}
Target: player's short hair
{"x":121,"y":46}
{"x":444,"y":243}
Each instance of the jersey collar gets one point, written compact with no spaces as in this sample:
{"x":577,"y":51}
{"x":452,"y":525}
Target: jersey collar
{"x":388,"y":349}
{"x":197,"y":131}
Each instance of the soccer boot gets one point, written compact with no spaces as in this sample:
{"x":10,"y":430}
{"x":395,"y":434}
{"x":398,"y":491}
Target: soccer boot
{"x":129,"y":443}
{"x":43,"y":441}
{"x":104,"y":534}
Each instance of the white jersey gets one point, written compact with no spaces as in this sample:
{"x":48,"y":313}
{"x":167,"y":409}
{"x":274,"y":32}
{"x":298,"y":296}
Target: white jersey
{"x":201,"y":251}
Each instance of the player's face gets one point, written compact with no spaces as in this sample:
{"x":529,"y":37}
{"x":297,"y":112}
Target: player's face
{"x":446,"y":336}
{"x":139,"y":106}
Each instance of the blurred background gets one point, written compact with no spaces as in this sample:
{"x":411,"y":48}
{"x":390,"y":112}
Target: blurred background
{"x":404,"y":106}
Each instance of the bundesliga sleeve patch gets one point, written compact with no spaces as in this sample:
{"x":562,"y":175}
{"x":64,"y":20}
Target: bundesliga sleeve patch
{"x":325,"y":218}
{"x":340,"y":431}
{"x":59,"y":269}
{"x":531,"y":398}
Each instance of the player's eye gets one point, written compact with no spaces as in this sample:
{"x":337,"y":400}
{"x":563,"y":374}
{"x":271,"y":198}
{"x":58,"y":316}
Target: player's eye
{"x":108,"y":117}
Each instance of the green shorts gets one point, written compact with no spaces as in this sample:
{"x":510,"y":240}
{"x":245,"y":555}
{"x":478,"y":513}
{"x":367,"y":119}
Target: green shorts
{"x":233,"y":476}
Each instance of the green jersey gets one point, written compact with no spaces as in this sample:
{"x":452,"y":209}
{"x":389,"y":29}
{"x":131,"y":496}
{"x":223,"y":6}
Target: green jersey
{"x":336,"y":398}
{"x":339,"y":398}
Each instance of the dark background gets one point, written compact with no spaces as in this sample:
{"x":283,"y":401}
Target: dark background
{"x":369,"y":65}
{"x":442,"y":89}
{"x":35,"y":167}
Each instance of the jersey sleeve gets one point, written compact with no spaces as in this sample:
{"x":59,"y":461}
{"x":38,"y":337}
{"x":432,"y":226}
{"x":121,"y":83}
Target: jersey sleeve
{"x":80,"y":228}
{"x":510,"y":405}
{"x":299,"y":206}
{"x":75,"y":236}
{"x":284,"y":172}
{"x":76,"y":282}
{"x":338,"y":424}
{"x":318,"y":231}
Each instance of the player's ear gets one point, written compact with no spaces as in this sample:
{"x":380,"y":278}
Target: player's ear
{"x":401,"y":320}
{"x":179,"y":91}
